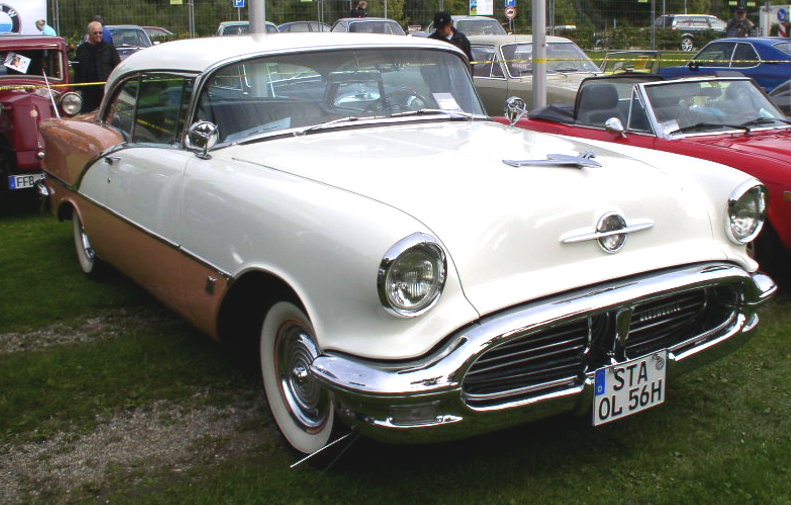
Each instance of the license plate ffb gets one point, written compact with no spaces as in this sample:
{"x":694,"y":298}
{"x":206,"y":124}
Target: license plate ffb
{"x":630,"y":387}
{"x":23,"y":181}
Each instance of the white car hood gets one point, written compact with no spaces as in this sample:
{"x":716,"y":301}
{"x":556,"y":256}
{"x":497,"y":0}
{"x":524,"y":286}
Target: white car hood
{"x":502,"y":225}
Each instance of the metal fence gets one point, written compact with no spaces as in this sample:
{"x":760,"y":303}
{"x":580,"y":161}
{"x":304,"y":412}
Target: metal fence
{"x":621,"y":23}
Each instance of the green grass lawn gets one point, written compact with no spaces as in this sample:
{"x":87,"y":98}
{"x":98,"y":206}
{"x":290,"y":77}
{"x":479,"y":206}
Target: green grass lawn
{"x":723,"y":437}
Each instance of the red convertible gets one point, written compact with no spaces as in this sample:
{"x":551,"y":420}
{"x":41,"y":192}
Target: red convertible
{"x":729,"y":120}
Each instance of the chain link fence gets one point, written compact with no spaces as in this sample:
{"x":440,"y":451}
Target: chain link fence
{"x":607,"y":24}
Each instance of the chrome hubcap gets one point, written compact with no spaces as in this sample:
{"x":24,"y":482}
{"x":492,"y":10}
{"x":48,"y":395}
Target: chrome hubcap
{"x":307,"y":401}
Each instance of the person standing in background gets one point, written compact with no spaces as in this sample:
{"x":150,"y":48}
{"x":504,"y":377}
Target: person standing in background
{"x":444,"y":30}
{"x":94,"y":60}
{"x":44,"y":28}
{"x":739,"y":26}
{"x":360,"y":10}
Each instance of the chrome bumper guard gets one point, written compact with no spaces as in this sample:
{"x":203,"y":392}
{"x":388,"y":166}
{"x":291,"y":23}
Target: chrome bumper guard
{"x":424,"y":400}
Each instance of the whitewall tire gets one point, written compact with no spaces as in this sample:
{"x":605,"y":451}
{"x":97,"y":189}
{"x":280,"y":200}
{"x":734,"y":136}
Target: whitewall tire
{"x":302,"y":409}
{"x":86,"y":256}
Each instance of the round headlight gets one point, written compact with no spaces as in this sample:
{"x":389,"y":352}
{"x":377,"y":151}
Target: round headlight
{"x":746,"y":212}
{"x":412,"y":275}
{"x":71,"y":103}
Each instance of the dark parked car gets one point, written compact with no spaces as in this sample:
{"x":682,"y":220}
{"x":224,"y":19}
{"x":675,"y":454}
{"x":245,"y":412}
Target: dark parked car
{"x":25,"y":101}
{"x":765,"y":59}
{"x":157,"y":32}
{"x":690,"y":26}
{"x":129,"y":39}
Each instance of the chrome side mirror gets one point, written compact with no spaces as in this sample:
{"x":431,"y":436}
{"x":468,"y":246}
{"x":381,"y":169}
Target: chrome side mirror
{"x":201,"y":137}
{"x":614,"y":125}
{"x":515,"y":108}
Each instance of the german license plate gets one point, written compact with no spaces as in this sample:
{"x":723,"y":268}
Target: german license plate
{"x":627,"y":388}
{"x":23,"y":181}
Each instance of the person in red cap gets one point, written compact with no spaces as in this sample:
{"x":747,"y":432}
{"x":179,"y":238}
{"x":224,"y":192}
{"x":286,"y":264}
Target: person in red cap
{"x":444,"y":30}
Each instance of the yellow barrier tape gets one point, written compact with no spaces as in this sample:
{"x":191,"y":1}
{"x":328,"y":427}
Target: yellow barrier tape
{"x":39,"y":86}
{"x":635,"y":58}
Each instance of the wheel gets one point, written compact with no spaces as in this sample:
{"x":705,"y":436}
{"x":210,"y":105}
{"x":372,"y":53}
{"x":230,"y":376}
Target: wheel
{"x":90,"y":264}
{"x":302,"y":409}
{"x":687,"y":44}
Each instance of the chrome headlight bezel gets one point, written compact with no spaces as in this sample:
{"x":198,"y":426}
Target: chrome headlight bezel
{"x":412,"y":247}
{"x":750,"y":196}
{"x":70,"y":103}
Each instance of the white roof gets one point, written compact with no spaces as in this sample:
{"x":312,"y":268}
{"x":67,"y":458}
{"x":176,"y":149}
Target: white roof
{"x":198,"y":55}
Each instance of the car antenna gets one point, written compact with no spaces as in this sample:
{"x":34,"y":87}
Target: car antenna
{"x":51,"y":98}
{"x":351,"y":433}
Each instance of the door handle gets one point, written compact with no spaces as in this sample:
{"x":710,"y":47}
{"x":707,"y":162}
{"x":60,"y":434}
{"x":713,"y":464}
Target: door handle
{"x":111,"y":159}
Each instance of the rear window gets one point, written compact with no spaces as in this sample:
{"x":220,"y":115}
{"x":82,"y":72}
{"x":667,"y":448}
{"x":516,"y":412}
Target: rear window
{"x":785,"y":47}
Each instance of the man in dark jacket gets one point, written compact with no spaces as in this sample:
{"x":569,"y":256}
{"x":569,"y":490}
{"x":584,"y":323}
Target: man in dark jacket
{"x":444,"y":30}
{"x":94,"y":59}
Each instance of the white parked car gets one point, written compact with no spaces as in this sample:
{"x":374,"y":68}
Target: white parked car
{"x":404,"y":264}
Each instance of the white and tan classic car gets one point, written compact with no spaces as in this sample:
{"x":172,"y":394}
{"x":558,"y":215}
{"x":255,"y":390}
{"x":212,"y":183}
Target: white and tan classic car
{"x":403,"y":263}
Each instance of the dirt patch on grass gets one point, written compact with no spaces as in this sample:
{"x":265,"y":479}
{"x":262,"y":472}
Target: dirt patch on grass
{"x":84,"y":329}
{"x":162,"y":436}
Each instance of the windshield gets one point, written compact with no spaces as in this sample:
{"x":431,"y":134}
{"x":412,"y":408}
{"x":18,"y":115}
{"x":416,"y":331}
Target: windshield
{"x":480,"y":27}
{"x":712,"y":106}
{"x":563,"y":57}
{"x":273,"y":94}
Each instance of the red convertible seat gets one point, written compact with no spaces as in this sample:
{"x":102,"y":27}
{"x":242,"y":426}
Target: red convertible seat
{"x":239,"y":118}
{"x":598,"y":102}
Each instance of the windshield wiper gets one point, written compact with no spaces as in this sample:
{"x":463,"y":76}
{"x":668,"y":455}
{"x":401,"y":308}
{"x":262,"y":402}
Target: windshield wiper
{"x":707,"y":126}
{"x":454,"y":114}
{"x":332,"y":122}
{"x":764,"y":121}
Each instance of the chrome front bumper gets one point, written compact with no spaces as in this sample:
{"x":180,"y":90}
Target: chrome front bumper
{"x":424,"y":400}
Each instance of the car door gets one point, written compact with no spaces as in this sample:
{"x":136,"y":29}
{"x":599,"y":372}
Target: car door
{"x":144,"y":177}
{"x":747,"y":61}
{"x":489,"y":78}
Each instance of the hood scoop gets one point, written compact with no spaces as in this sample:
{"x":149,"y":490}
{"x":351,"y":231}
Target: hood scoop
{"x":558,"y":160}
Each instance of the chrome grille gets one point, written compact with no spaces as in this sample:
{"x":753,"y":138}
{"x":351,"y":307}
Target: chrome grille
{"x":557,"y":357}
{"x":681,"y":317}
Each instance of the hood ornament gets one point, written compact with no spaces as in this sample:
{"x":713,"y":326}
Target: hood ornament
{"x":558,"y":160}
{"x":611,"y":233}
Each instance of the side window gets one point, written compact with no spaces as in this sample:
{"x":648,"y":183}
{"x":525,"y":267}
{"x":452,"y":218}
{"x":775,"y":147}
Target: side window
{"x":161,"y":108}
{"x":716,"y":54}
{"x":744,"y":56}
{"x":121,"y":114}
{"x":484,"y":55}
{"x":490,"y":63}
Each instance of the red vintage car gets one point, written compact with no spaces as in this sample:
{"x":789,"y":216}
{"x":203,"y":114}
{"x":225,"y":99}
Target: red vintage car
{"x":34,"y":79}
{"x":729,"y":120}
